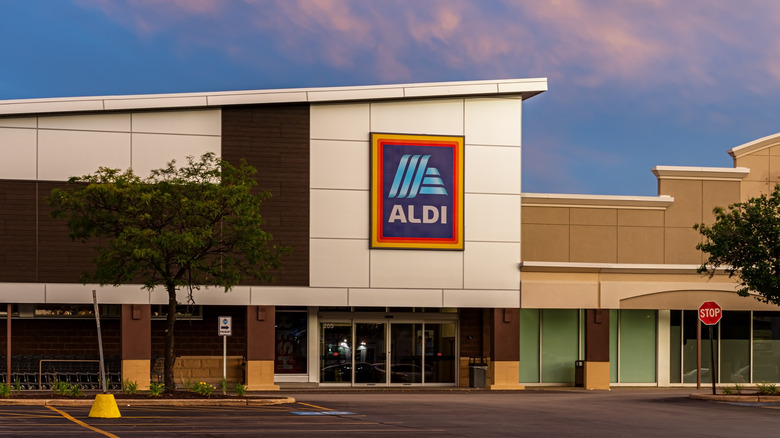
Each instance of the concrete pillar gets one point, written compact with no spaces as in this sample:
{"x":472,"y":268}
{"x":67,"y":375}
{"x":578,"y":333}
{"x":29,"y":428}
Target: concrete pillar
{"x":260,"y":348}
{"x":136,"y":340}
{"x":596,"y":367}
{"x":504,"y":368}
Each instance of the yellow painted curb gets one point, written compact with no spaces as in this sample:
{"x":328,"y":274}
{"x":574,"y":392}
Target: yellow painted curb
{"x":104,"y":407}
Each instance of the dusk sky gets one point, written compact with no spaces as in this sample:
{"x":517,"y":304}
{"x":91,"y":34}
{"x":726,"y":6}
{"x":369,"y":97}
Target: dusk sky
{"x":632,"y":84}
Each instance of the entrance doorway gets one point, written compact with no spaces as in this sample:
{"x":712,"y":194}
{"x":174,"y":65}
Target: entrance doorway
{"x":388,"y":352}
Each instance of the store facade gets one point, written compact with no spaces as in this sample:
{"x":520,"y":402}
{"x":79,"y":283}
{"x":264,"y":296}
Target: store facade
{"x":413,"y":248}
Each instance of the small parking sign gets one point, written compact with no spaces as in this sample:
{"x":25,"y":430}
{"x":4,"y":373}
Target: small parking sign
{"x":225,"y":325}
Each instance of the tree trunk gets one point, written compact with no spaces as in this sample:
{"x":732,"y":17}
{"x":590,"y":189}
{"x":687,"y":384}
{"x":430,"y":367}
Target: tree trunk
{"x":170,"y":322}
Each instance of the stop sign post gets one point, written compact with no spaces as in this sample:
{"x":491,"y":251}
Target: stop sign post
{"x":710,"y":314}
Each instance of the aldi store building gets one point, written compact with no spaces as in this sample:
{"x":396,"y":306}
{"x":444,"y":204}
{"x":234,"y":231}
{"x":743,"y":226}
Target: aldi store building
{"x":413,"y":246}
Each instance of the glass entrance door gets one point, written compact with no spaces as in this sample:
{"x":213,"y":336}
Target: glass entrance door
{"x":370,"y":352}
{"x":387,"y":353}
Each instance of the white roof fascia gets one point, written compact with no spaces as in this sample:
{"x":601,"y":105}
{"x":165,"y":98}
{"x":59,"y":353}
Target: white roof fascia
{"x":509,"y":88}
{"x":754,"y":146}
{"x":536,"y":266}
{"x":702,"y":173}
{"x":597,"y":201}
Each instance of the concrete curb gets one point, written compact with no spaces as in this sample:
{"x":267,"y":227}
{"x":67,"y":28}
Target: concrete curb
{"x":249,"y":401}
{"x":737,"y":398}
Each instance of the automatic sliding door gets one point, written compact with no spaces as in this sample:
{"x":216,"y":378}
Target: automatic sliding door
{"x":406,"y":342}
{"x":336,"y":351}
{"x":370,"y":352}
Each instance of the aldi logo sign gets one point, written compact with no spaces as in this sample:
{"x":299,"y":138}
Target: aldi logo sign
{"x":416,"y":191}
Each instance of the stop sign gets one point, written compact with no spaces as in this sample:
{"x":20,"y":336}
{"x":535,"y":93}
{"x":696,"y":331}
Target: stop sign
{"x":710,"y":312}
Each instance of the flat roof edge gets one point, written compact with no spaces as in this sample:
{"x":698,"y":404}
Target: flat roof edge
{"x":682,"y":172}
{"x":597,"y":201}
{"x":524,"y":88}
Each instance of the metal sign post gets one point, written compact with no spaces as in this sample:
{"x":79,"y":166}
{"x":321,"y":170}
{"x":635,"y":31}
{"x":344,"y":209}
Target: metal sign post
{"x":100,"y":342}
{"x":710,"y":314}
{"x":225,"y":330}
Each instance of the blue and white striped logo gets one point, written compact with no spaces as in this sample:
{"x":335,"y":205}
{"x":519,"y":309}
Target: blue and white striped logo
{"x":414,"y":177}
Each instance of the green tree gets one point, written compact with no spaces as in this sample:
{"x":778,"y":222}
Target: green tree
{"x":198,"y":224}
{"x":745,"y":242}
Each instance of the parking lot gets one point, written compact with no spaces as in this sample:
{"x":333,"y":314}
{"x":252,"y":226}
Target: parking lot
{"x":620,"y":412}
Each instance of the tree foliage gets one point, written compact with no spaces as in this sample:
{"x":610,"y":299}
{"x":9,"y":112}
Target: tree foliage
{"x":179,"y":228}
{"x":745,"y":242}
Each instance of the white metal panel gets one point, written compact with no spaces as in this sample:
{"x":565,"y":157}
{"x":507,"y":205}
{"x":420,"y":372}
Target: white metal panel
{"x":198,"y":122}
{"x":19,"y":122}
{"x":492,"y":265}
{"x":492,"y":169}
{"x":298,"y":296}
{"x":339,"y":263}
{"x":396,"y":297}
{"x":154,"y":151}
{"x":62,"y":154}
{"x":237,"y":296}
{"x":416,"y":269}
{"x":22,"y":292}
{"x":482,"y":298}
{"x":339,"y":122}
{"x":155,"y":101}
{"x":18,"y":149}
{"x":492,"y":218}
{"x":428,"y":90}
{"x":256,"y":98}
{"x":87,"y":122}
{"x":493,"y":121}
{"x":76,"y":293}
{"x":346,"y":93}
{"x":340,"y":164}
{"x":339,"y":214}
{"x":440,"y":117}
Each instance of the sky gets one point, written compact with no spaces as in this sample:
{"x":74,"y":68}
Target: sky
{"x":632,"y":84}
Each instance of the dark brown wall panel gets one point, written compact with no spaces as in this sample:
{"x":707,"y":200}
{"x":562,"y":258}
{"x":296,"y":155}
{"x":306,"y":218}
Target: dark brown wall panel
{"x":275,"y":140}
{"x":17,"y":231}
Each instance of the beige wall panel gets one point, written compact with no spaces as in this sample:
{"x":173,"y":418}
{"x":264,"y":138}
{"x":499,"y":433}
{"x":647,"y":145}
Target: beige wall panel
{"x":687,"y":207}
{"x":87,"y":122}
{"x":339,"y":214}
{"x":19,"y":152}
{"x":237,"y":296}
{"x":493,"y":121}
{"x":395,"y":297}
{"x":718,"y":194}
{"x":691,"y":300}
{"x":340,"y":122}
{"x":546,"y":215}
{"x":640,"y":218}
{"x":751,"y":189}
{"x":593,"y":244}
{"x":482,"y":298}
{"x":339,"y":165}
{"x":640,"y":245}
{"x":23,"y":293}
{"x":197,"y":122}
{"x":593,"y":216}
{"x":75,"y":293}
{"x":298,"y":296}
{"x":19,"y":122}
{"x":492,"y":218}
{"x":154,"y":151}
{"x":774,"y":169}
{"x":559,"y":295}
{"x":440,"y":117}
{"x":492,"y":169}
{"x":416,"y":269}
{"x":491,"y":265}
{"x":758,"y":163}
{"x":548,"y":243}
{"x":774,"y":150}
{"x":680,"y":246}
{"x":62,"y":154}
{"x":615,"y":292}
{"x":339,"y":263}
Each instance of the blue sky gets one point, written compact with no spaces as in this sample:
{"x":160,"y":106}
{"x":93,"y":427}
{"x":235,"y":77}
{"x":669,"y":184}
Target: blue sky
{"x":632,"y":84}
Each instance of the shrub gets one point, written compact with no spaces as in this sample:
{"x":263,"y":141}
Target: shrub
{"x":129,"y":387}
{"x":5,"y":390}
{"x":240,"y":389}
{"x":65,"y":388}
{"x":203,"y":388}
{"x":156,"y":389}
{"x":766,"y":388}
{"x":223,"y":385}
